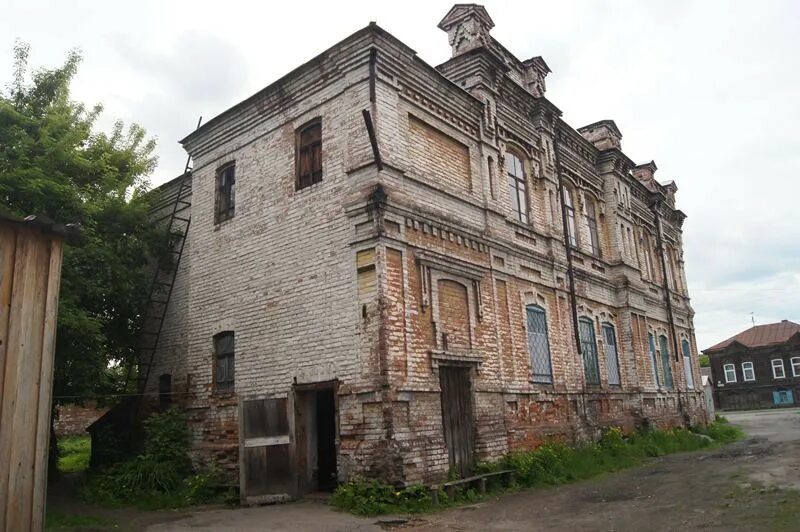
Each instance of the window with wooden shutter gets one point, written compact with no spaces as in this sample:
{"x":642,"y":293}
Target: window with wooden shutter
{"x":226,"y":193}
{"x":309,"y":155}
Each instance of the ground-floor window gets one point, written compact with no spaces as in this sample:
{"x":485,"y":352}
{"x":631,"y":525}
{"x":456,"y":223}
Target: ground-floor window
{"x":687,"y":364}
{"x":730,"y":372}
{"x":591,"y":368}
{"x":662,"y":340}
{"x":612,"y":360}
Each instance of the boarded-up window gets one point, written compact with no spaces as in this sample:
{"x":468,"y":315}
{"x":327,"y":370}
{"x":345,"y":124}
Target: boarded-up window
{"x":309,"y":154}
{"x":366,"y":281}
{"x":226,"y":192}
{"x":224,"y":358}
{"x":591,"y":367}
{"x":539,"y":345}
{"x":612,"y":358}
{"x":439,"y":157}
{"x":454,"y":314}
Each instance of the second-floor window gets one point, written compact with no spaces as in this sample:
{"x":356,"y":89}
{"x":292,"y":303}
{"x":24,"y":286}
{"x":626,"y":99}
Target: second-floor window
{"x":517,"y":187}
{"x":309,"y":154}
{"x":539,"y":345}
{"x":748,"y":373}
{"x":777,"y":369}
{"x":569,"y":207}
{"x":796,"y":367}
{"x":226,"y":192}
{"x":591,"y":220}
{"x":730,"y":373}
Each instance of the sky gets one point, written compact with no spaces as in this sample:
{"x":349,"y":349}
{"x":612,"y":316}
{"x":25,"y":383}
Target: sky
{"x":708,"y":89}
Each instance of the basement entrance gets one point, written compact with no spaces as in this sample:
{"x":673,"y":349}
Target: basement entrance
{"x":316,"y":436}
{"x":457,"y":417}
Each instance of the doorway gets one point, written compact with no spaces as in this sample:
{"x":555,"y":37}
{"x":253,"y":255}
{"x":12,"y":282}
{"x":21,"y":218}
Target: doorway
{"x":457,"y":423}
{"x":316,"y":432}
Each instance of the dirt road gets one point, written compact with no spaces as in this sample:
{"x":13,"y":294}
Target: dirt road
{"x":740,"y":487}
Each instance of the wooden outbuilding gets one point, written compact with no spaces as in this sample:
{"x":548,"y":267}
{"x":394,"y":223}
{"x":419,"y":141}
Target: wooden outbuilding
{"x":30,"y":273}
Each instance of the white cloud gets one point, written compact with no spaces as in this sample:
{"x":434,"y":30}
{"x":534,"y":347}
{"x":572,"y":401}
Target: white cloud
{"x":707,"y":88}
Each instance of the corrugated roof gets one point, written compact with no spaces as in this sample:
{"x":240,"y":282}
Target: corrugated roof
{"x":761,"y":335}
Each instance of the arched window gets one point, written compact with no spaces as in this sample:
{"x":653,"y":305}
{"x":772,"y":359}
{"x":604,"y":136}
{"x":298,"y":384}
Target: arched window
{"x":591,"y":220}
{"x":591,"y":368}
{"x":517,"y":187}
{"x":612,"y":359}
{"x":662,"y":341}
{"x":687,"y":364}
{"x":539,"y":345}
{"x":224,"y":356}
{"x":648,"y":264}
{"x":309,"y":154}
{"x":570,"y":208}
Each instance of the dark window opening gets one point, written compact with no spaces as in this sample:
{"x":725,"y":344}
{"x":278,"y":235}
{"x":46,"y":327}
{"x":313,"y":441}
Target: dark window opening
{"x":224,"y":357}
{"x":612,"y":357}
{"x":164,"y":391}
{"x":309,"y":155}
{"x":226,"y":193}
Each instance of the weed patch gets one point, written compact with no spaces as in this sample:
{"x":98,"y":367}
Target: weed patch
{"x":59,"y":522}
{"x":548,"y":465}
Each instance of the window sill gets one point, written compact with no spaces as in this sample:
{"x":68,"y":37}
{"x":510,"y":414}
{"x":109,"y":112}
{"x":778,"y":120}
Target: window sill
{"x":219,"y":224}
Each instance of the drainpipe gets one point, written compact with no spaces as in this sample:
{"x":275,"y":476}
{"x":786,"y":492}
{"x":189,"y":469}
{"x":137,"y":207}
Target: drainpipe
{"x":570,"y":269}
{"x":668,"y":296}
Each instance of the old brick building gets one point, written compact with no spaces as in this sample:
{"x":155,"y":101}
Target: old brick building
{"x":381,"y":277}
{"x":757,"y":368}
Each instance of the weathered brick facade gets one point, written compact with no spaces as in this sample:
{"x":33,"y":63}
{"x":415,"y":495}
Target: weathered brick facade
{"x":374,"y":277}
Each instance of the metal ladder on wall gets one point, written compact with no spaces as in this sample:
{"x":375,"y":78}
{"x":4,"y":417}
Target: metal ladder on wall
{"x":166,"y":271}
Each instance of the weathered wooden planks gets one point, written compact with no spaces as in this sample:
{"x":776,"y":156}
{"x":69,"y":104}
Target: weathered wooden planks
{"x":30,"y":269}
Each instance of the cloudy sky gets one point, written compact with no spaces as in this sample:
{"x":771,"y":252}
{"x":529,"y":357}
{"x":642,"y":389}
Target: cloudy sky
{"x":708,"y":89}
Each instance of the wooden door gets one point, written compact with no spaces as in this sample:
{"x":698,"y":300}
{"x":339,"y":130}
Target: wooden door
{"x":266,"y":473}
{"x":457,"y":417}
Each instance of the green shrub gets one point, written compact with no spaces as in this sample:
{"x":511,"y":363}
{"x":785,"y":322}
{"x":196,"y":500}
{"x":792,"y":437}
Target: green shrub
{"x":162,"y":475}
{"x":549,"y":464}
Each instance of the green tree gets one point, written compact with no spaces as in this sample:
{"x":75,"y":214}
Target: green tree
{"x":54,"y":163}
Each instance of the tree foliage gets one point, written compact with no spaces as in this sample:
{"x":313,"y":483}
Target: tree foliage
{"x":53,"y":162}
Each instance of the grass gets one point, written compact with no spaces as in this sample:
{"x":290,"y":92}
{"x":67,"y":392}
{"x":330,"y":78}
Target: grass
{"x":74,"y":452}
{"x":550,"y":464}
{"x":60,"y":522}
